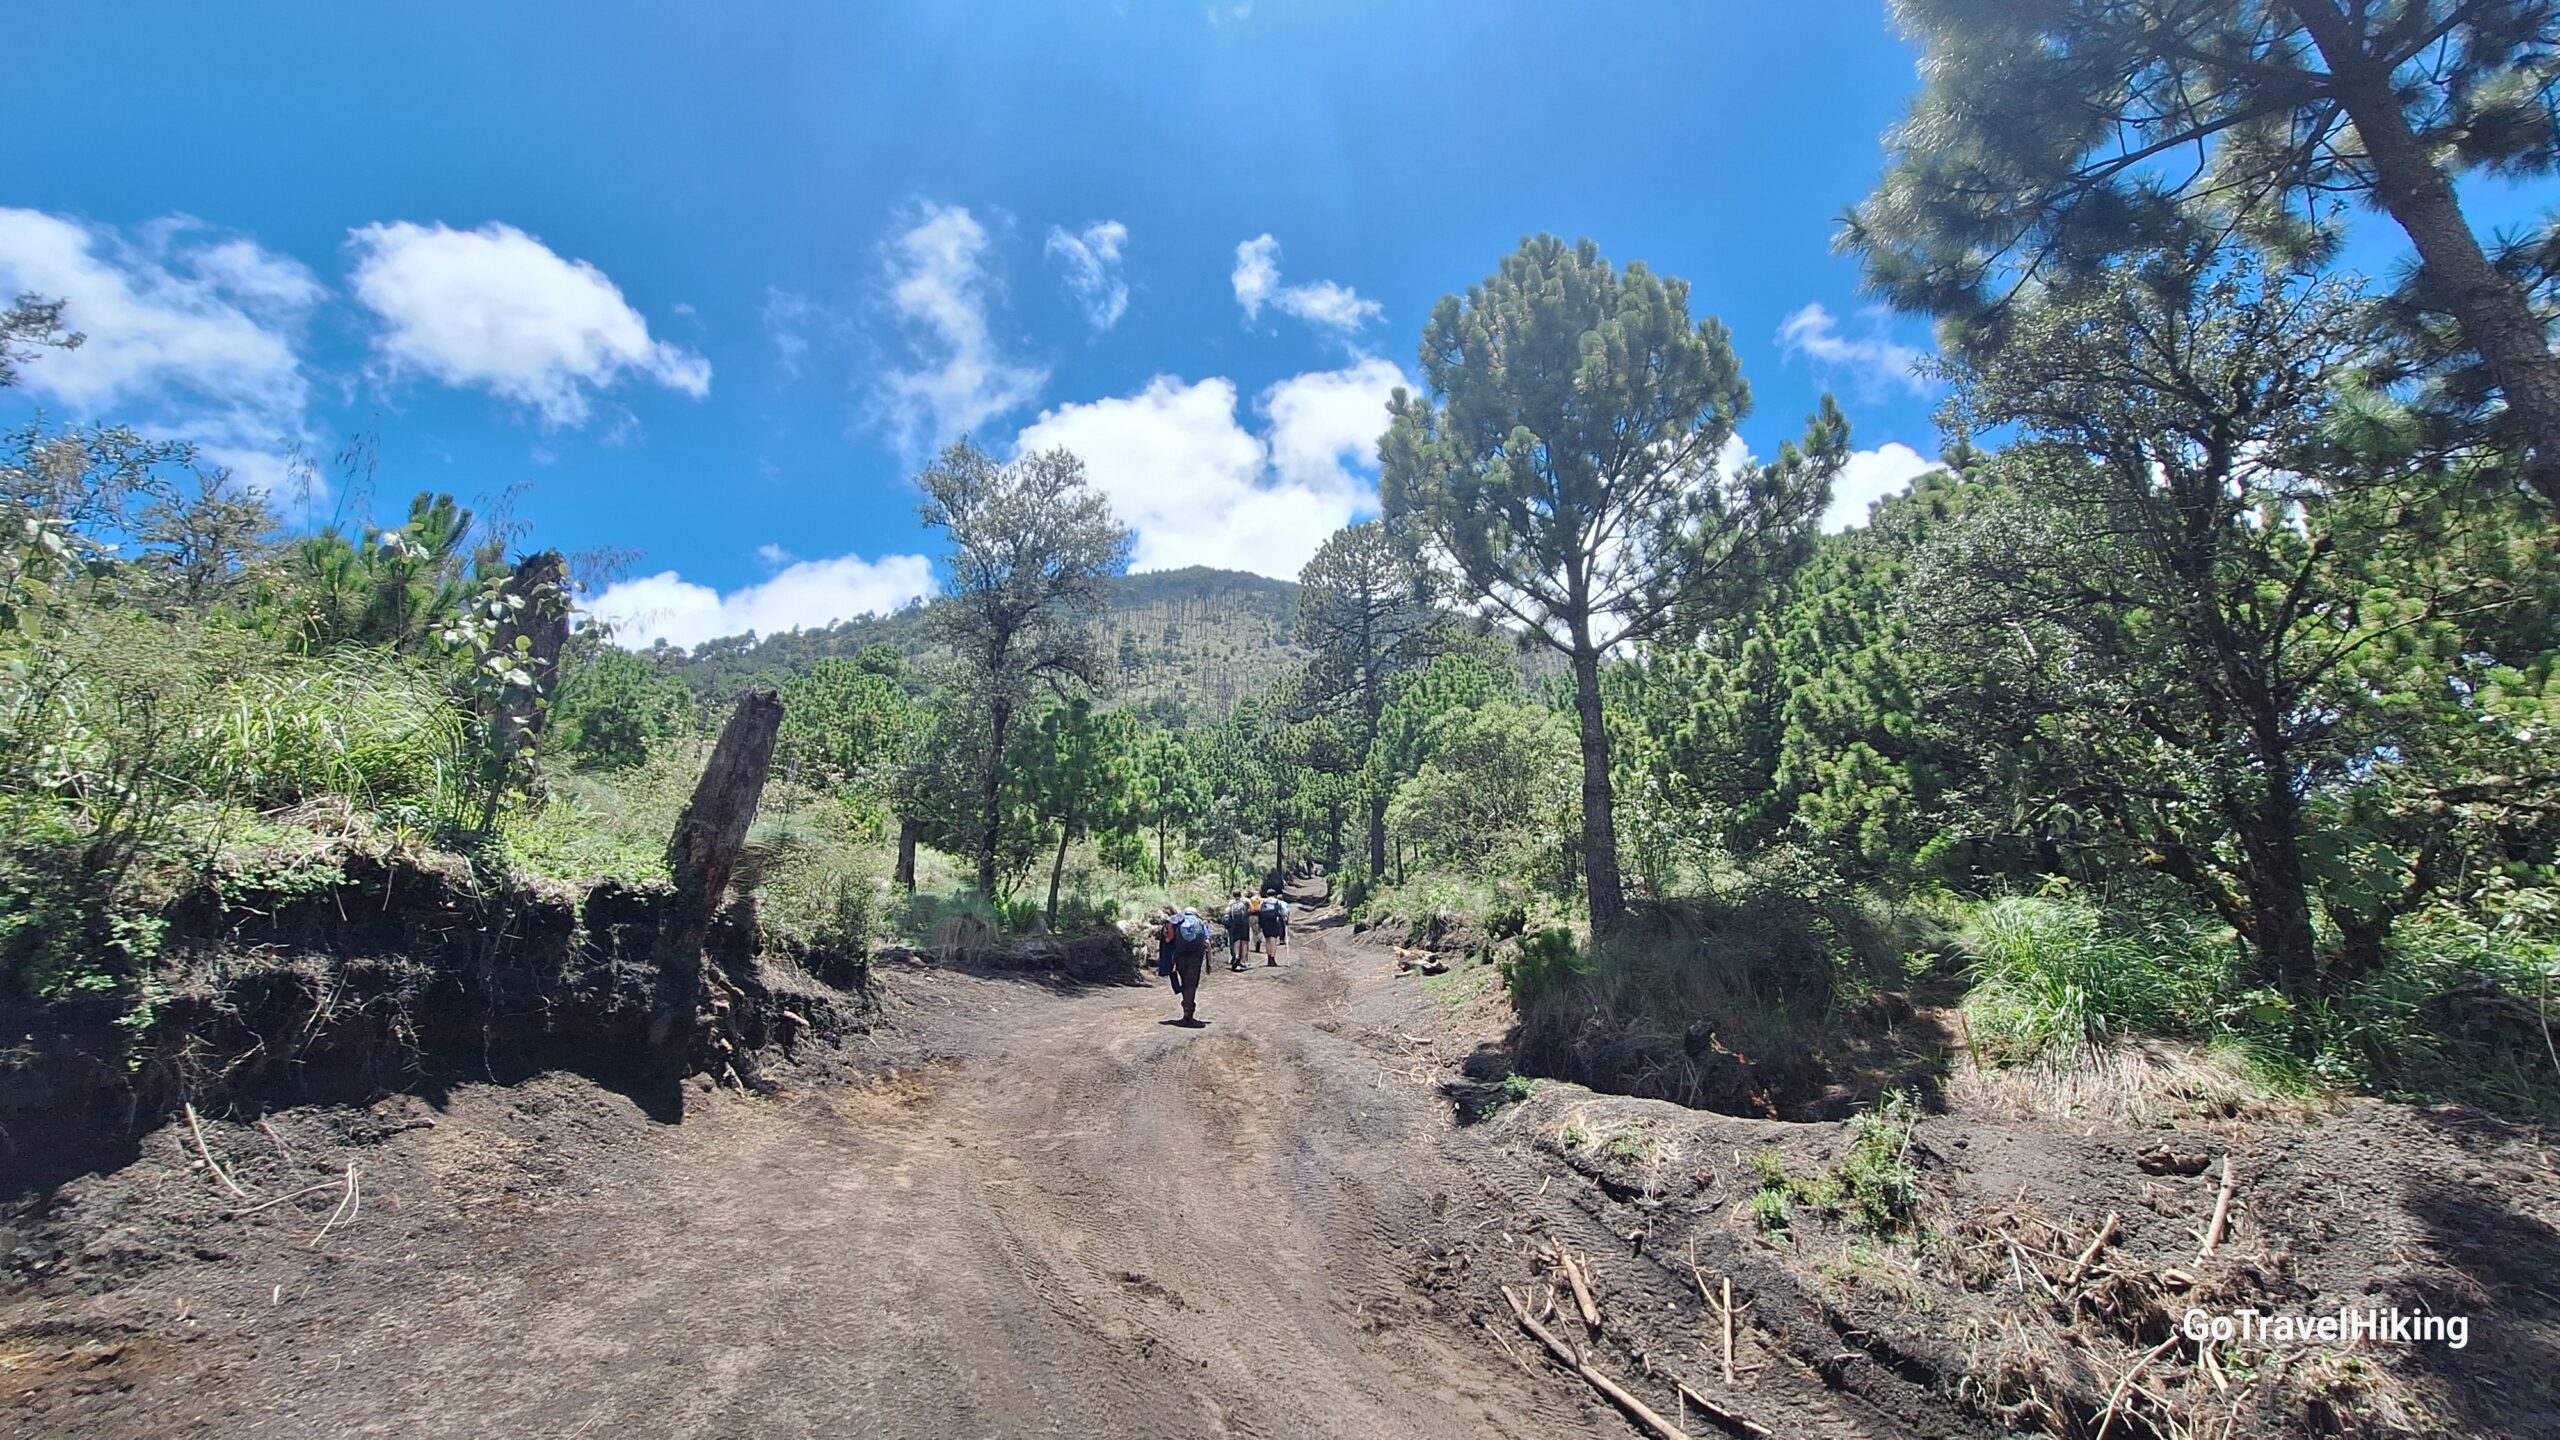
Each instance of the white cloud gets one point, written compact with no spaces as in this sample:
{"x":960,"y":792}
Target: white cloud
{"x":1875,"y":362}
{"x":938,"y":288}
{"x":1201,"y":489}
{"x":189,"y":336}
{"x":496,"y":309}
{"x":1323,"y":303}
{"x":786,"y":320}
{"x":1092,"y":260}
{"x":1870,"y":476}
{"x":804,"y":595}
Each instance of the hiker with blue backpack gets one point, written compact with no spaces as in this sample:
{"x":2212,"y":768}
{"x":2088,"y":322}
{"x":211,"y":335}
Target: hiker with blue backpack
{"x":1182,"y":952}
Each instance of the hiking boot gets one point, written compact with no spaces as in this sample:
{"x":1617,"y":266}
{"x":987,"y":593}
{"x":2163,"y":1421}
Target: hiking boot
{"x":1274,"y":960}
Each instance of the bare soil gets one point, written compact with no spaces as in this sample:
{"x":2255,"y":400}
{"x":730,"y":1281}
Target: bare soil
{"x":1027,"y":1205}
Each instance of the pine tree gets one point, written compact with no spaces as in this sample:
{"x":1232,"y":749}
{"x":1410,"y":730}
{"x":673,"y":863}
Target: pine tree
{"x":2057,"y":135}
{"x":1568,"y":468}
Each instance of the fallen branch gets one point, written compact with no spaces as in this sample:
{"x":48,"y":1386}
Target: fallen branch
{"x":1616,"y":1394}
{"x":196,"y":1128}
{"x":1724,"y":1417}
{"x":2106,"y":1232}
{"x":2221,"y":1212}
{"x":1581,"y":1284}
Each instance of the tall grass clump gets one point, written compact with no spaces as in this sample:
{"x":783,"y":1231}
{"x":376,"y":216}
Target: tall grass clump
{"x":370,"y":728}
{"x":2055,"y":976}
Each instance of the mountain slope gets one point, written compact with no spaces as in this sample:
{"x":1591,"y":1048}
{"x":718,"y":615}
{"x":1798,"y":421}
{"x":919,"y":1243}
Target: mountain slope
{"x":1176,"y":644}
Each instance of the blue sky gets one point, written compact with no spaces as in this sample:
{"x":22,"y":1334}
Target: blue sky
{"x":708,"y":282}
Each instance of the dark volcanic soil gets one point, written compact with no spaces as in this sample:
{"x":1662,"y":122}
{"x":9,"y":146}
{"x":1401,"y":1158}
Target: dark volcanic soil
{"x":1026,"y":1207}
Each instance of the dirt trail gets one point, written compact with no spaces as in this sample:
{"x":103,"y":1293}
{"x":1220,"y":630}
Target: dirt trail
{"x":1081,"y":1221}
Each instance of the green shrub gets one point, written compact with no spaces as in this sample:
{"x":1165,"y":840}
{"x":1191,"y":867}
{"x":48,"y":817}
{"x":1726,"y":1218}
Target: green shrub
{"x":1770,"y":1210}
{"x":1548,"y":961}
{"x":1881,"y":1185}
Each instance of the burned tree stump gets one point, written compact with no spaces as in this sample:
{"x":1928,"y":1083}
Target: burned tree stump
{"x":703,"y":856}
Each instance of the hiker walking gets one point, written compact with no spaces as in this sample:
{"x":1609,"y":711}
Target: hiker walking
{"x":1239,"y":928}
{"x":1185,"y":950}
{"x":1275,"y":926}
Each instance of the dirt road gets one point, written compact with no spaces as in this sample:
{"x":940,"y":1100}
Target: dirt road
{"x":1079,"y":1220}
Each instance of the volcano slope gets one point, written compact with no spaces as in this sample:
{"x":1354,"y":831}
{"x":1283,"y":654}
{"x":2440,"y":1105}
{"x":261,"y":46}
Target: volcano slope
{"x":1021,"y":1208}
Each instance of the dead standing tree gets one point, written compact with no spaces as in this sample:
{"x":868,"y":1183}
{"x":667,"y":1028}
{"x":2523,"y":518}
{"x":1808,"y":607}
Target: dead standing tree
{"x":693,"y":1021}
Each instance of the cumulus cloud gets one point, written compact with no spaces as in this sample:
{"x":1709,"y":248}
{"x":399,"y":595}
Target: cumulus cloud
{"x":1092,"y":261}
{"x":496,"y":309}
{"x":939,"y":285}
{"x":1870,"y":476}
{"x":803,"y":595}
{"x":1874,"y":362}
{"x":191,"y":335}
{"x":1321,"y":303}
{"x":1201,"y":489}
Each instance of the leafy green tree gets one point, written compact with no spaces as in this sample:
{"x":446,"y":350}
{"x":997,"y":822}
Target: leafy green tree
{"x":1806,"y":728}
{"x":1367,"y":615}
{"x":613,"y":705}
{"x":2055,"y":136}
{"x":1032,"y":547}
{"x":846,"y":726}
{"x":1073,"y":767}
{"x":201,"y":542}
{"x":1164,"y":792}
{"x":28,"y":325}
{"x":2252,"y":656}
{"x":1570,"y":472}
{"x":1497,"y":795}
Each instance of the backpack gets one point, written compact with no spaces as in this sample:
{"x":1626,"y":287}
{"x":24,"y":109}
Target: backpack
{"x":1186,"y":930}
{"x":1236,"y":910}
{"x":1275,"y":908}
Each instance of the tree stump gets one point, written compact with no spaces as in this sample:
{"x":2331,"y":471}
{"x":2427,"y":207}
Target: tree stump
{"x":703,"y":856}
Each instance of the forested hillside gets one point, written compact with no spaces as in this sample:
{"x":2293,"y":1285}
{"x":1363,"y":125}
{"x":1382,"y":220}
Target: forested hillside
{"x":1181,"y":644}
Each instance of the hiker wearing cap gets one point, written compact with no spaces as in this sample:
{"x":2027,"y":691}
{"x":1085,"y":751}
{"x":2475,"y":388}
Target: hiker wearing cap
{"x":1275,"y":926}
{"x":1185,"y":939}
{"x":1239,"y":928}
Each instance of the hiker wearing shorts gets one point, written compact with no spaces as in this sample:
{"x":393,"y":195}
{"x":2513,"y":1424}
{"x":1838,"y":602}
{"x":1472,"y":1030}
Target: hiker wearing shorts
{"x":1275,"y":926}
{"x":1239,"y":928}
{"x":1186,"y":944}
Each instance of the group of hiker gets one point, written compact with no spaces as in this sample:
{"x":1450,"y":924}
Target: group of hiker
{"x":1182,"y":939}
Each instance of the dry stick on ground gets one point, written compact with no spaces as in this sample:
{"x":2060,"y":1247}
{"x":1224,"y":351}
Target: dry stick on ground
{"x":1581,"y":1283}
{"x":2106,"y":1232}
{"x":196,"y":1128}
{"x":1635,"y":1409}
{"x":2221,"y":1212}
{"x":1723,"y":1416}
{"x":347,"y":1207}
{"x":1725,"y":1307}
{"x":2115,"y":1402}
{"x":339,"y":1185}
